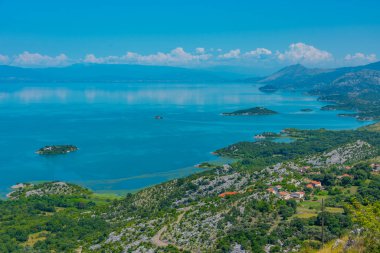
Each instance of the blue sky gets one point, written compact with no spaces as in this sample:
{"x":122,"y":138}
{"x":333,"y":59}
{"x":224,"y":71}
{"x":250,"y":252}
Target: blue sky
{"x":194,"y":33}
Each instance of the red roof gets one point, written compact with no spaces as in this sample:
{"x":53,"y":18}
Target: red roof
{"x":222,"y":195}
{"x":345,"y":175}
{"x":309,"y":186}
{"x":283,"y":193}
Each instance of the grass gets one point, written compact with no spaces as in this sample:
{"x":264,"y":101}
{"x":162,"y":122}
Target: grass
{"x":59,"y":209}
{"x":307,"y":209}
{"x":375,"y":160}
{"x":353,"y":189}
{"x":305,"y":215}
{"x":334,"y":209}
{"x":374,"y":127}
{"x":311,"y":204}
{"x":330,"y":247}
{"x":103,"y":198}
{"x":34,"y":238}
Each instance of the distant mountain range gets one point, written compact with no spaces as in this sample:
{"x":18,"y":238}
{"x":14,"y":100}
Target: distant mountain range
{"x":111,"y":73}
{"x":300,"y":77}
{"x":350,"y":88}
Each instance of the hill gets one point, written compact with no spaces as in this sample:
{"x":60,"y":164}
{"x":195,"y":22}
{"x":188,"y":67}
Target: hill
{"x":350,"y":88}
{"x":268,"y":200}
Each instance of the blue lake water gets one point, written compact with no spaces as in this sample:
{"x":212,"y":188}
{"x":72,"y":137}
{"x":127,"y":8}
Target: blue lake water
{"x":122,"y":146}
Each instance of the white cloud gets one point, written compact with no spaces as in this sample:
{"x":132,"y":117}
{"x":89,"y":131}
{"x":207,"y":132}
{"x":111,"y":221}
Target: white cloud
{"x":258,"y":53}
{"x":200,"y":50}
{"x":38,"y":60}
{"x":303,"y":53}
{"x":233,"y":54}
{"x":360,"y":57}
{"x":91,"y":58}
{"x":4,"y":59}
{"x":296,"y":53}
{"x":177,"y":56}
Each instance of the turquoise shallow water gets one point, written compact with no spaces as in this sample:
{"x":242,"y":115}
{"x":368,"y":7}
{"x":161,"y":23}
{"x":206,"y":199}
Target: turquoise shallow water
{"x":122,"y":146}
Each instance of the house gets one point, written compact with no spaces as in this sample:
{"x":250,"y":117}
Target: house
{"x":375,"y":167}
{"x":222,"y":195}
{"x":345,"y":175}
{"x":277,"y":188}
{"x":305,"y":168}
{"x":310,"y":186}
{"x":316,"y":183}
{"x":348,"y":167}
{"x":271,"y":190}
{"x":259,"y":136}
{"x":284,"y":195}
{"x":297,"y":195}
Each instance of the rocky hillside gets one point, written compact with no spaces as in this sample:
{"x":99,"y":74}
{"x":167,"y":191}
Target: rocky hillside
{"x":268,"y":200}
{"x":46,"y":189}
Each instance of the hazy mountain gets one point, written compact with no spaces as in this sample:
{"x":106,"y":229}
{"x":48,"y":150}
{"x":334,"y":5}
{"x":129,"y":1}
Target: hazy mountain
{"x":292,"y":75}
{"x":300,"y":77}
{"x":110,"y":73}
{"x":350,"y":88}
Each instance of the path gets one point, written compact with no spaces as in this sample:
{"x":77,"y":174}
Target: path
{"x":156,"y":239}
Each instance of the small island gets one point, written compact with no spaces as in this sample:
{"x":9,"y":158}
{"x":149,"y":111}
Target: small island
{"x":306,"y":110}
{"x":56,"y":149}
{"x":329,"y":108}
{"x":250,"y":112}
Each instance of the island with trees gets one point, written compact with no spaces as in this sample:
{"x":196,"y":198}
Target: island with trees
{"x":250,"y":112}
{"x":56,"y":149}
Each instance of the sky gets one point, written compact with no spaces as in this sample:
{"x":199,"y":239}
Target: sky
{"x":245,"y":34}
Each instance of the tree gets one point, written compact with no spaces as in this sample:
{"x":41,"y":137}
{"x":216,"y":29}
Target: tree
{"x":286,"y":212}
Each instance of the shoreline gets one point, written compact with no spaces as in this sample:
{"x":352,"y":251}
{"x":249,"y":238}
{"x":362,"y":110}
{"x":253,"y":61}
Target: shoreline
{"x":122,"y":192}
{"x":87,"y":184}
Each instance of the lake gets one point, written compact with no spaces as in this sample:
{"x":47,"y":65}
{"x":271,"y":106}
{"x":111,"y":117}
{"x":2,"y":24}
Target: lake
{"x":122,"y":147}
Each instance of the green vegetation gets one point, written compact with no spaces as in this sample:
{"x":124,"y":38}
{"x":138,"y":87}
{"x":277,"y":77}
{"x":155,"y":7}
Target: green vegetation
{"x":49,"y":222}
{"x":261,"y":212}
{"x":56,"y":150}
{"x":368,"y":217}
{"x":250,"y":112}
{"x":355,"y":89}
{"x":307,"y":142}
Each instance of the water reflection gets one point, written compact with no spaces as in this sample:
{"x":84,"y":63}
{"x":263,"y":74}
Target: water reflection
{"x":124,"y":147}
{"x":148,"y":94}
